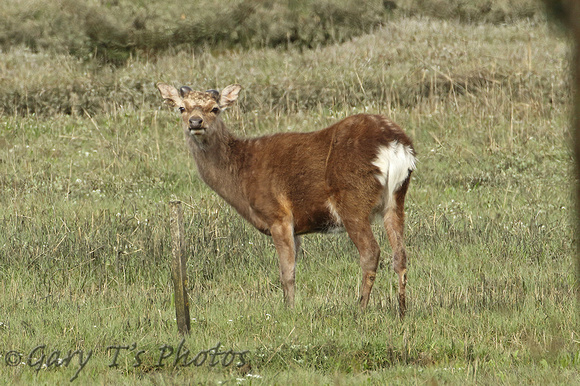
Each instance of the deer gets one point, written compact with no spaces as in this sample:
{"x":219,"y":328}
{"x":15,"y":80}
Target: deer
{"x":295,"y":183}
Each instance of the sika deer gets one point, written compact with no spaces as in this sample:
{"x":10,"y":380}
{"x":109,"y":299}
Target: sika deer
{"x":291,"y":184}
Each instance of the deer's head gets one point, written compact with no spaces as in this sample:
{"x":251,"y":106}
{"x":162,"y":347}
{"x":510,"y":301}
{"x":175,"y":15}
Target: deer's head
{"x":199,"y":109}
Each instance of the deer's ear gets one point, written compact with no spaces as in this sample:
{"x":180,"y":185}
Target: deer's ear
{"x":229,"y":95}
{"x":170,"y":94}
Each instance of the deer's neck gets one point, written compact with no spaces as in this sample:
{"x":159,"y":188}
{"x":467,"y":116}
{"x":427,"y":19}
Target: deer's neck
{"x":216,"y":156}
{"x":219,"y":161}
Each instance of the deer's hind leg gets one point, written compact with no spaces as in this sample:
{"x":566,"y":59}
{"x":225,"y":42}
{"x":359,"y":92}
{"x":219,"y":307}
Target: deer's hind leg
{"x":358,"y":227}
{"x":394,"y":220}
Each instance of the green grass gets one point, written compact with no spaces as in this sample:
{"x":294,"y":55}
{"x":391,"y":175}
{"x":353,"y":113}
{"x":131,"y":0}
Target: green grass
{"x":90,"y":158}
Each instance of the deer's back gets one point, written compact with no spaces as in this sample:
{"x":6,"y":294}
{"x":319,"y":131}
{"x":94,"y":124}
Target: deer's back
{"x":300,"y":172}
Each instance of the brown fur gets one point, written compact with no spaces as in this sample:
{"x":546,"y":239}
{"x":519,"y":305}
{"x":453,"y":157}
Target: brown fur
{"x":290,"y":184}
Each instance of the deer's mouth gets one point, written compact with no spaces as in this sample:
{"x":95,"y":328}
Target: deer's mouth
{"x":196,"y":130}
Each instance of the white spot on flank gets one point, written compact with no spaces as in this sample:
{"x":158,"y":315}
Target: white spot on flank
{"x":333,"y":212}
{"x":394,"y":162}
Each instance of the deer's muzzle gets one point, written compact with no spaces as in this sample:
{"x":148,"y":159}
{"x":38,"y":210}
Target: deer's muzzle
{"x":196,"y":125}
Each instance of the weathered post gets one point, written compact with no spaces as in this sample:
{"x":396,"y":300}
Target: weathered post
{"x":179,"y":267}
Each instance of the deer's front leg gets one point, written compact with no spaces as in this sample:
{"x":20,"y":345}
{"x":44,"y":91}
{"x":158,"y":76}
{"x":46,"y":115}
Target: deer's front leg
{"x":283,"y":236}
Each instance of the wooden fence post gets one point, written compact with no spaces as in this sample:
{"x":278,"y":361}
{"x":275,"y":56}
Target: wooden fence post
{"x":179,"y":268}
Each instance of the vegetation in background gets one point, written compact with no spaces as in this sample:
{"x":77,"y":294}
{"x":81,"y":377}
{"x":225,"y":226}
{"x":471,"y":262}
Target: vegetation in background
{"x":90,"y":157}
{"x":68,"y":34}
{"x":115,"y":30}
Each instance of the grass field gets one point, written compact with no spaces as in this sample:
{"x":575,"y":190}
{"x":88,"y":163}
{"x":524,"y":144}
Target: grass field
{"x":90,"y":158}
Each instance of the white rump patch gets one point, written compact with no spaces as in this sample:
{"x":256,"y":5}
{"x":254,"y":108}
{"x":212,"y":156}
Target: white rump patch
{"x":394,"y":161}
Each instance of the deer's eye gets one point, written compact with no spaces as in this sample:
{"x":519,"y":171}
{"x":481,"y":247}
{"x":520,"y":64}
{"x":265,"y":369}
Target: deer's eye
{"x":215,"y":110}
{"x":182,"y":109}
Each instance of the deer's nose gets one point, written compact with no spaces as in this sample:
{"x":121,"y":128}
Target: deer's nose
{"x":195,"y":123}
